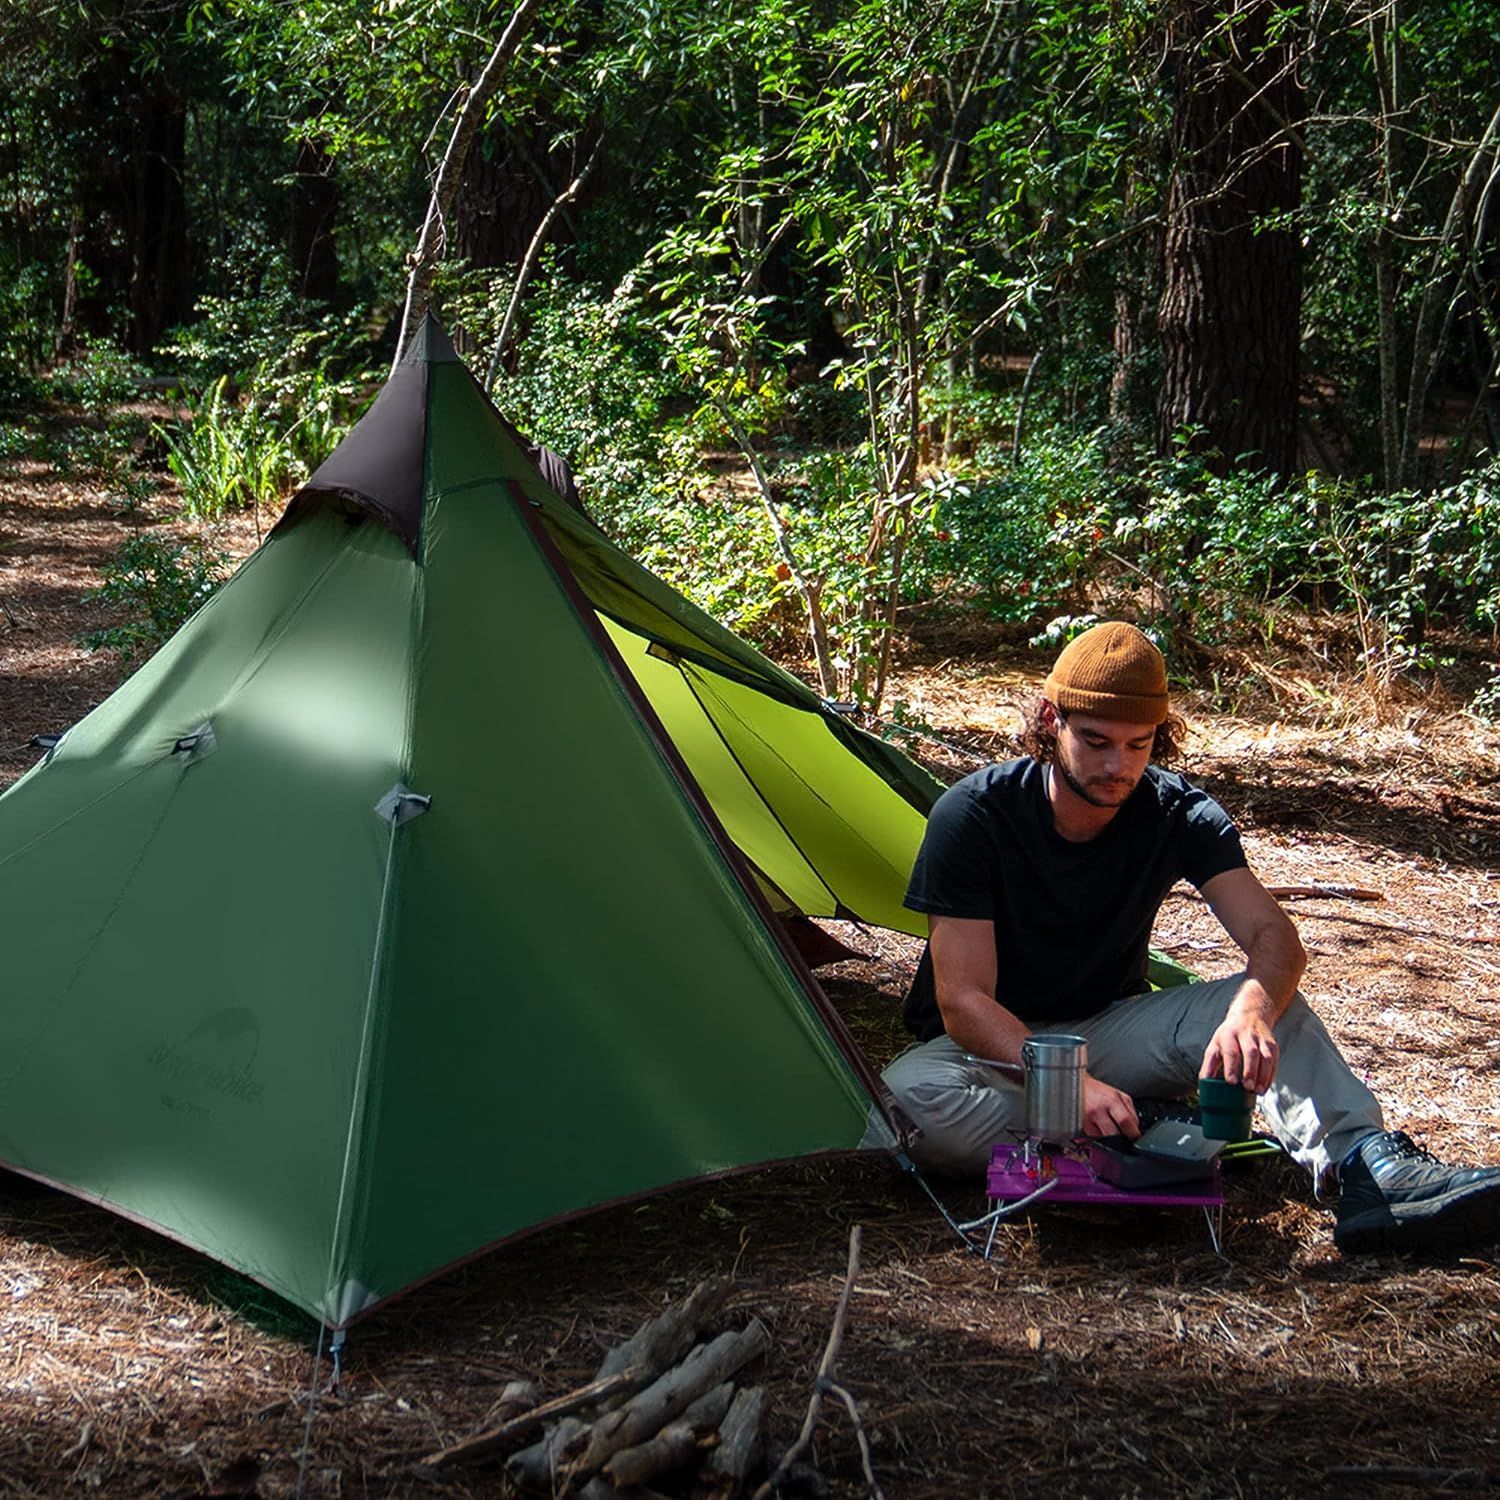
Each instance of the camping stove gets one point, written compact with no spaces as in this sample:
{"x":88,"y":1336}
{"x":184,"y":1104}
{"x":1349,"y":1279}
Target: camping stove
{"x":1023,"y":1174}
{"x":1047,"y":1161}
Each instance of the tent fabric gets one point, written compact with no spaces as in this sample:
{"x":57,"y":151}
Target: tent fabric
{"x":340,"y":1048}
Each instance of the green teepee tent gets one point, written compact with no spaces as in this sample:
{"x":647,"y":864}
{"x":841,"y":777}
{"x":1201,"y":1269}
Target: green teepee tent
{"x":422,"y":888}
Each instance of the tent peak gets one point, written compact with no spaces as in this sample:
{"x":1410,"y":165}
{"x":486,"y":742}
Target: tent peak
{"x":430,"y":345}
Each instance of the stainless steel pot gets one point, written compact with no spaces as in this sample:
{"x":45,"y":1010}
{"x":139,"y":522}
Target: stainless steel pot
{"x":1054,"y":1064}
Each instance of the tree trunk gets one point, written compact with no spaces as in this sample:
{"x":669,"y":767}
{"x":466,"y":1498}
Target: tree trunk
{"x":1229,"y":315}
{"x":315,"y":196}
{"x":502,"y":200}
{"x":156,"y":216}
{"x":1137,"y":293}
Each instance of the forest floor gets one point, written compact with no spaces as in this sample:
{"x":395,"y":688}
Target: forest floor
{"x":1095,"y":1353}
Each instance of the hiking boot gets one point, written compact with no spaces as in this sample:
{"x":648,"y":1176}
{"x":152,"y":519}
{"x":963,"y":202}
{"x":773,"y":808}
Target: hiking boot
{"x":1393,"y":1195}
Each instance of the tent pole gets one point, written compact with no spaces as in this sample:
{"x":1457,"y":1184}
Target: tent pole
{"x":874,"y":1085}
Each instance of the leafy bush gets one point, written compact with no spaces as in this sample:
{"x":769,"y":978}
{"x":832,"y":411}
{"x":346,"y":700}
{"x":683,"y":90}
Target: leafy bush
{"x":161,"y":582}
{"x":1026,"y":543}
{"x":1213,"y":553}
{"x":98,"y":377}
{"x":270,"y":403}
{"x":268,"y":335}
{"x":15,"y":441}
{"x":590,"y":383}
{"x":26,"y":328}
{"x":1486,"y":702}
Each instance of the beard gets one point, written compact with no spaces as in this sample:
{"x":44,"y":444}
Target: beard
{"x":1103,"y":791}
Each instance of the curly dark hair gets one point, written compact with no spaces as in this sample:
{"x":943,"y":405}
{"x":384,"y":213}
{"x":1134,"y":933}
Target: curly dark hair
{"x":1040,"y":743}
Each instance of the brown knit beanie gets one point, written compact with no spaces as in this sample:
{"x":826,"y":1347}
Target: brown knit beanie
{"x":1112,"y":671}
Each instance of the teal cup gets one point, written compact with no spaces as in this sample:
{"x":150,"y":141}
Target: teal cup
{"x":1226,"y":1109}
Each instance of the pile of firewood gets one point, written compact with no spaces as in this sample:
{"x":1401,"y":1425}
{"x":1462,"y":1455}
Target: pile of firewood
{"x":664,"y":1408}
{"x":662,"y":1404}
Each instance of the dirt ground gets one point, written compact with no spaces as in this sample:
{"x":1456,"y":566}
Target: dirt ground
{"x":1094,"y":1354}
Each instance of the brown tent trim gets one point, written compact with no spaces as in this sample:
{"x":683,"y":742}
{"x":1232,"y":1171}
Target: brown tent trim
{"x":573,"y":1215}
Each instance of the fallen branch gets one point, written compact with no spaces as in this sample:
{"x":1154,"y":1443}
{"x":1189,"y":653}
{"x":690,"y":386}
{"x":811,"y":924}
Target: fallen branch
{"x":1314,"y":892}
{"x":822,"y":1380}
{"x":507,"y":1433}
{"x":1317,"y":890}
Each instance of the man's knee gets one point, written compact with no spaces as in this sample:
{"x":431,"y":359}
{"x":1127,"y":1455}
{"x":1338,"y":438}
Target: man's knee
{"x":959,"y":1112}
{"x":1295,"y":1020}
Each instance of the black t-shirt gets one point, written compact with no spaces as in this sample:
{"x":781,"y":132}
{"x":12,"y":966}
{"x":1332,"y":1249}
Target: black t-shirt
{"x":1072,"y":921}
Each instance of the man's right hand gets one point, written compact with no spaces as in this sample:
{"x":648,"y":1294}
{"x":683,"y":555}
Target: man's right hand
{"x":1107,"y":1111}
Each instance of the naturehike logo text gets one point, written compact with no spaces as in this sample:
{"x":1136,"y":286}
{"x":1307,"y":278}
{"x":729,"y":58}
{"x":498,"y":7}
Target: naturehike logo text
{"x":217,"y":1056}
{"x":238,"y":1084}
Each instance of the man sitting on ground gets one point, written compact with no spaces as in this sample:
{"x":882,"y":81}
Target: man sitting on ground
{"x":1042,"y":877}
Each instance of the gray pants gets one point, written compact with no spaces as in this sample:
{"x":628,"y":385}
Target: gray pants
{"x":1150,"y":1046}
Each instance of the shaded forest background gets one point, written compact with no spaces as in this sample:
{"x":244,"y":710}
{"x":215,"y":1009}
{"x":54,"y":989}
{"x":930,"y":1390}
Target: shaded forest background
{"x":845,"y":312}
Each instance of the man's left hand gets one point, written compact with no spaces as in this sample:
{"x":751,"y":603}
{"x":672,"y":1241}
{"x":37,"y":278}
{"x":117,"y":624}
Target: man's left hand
{"x":1244,"y":1048}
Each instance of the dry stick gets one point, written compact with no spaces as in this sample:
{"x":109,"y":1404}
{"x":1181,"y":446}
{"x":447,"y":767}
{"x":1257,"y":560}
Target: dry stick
{"x":429,"y":249}
{"x":847,"y":1397}
{"x":1314,"y":892}
{"x":655,"y":1406}
{"x":825,"y":1371}
{"x":742,"y":1436}
{"x":663,"y":1340}
{"x":529,"y":260}
{"x":675,"y":1446}
{"x":16,"y":622}
{"x":1451,"y":939}
{"x":507,"y":1433}
{"x":1317,"y":892}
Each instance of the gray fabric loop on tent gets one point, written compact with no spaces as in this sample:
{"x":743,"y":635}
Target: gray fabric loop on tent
{"x":199,"y":743}
{"x":401,"y":804}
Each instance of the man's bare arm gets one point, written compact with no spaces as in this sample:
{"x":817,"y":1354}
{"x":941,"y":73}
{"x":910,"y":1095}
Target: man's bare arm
{"x":963,"y":967}
{"x":1243,"y":1047}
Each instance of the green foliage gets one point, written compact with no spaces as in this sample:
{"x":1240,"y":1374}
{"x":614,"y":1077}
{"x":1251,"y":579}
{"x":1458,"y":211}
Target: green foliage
{"x":591,"y":384}
{"x":271,"y":407}
{"x":25,"y":329}
{"x":160,"y":583}
{"x":1024,"y":542}
{"x":1396,"y":559}
{"x":98,"y":376}
{"x":90,"y":436}
{"x":828,"y":238}
{"x":1057,"y":632}
{"x":1486,"y":702}
{"x":207,"y":456}
{"x":230,"y":455}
